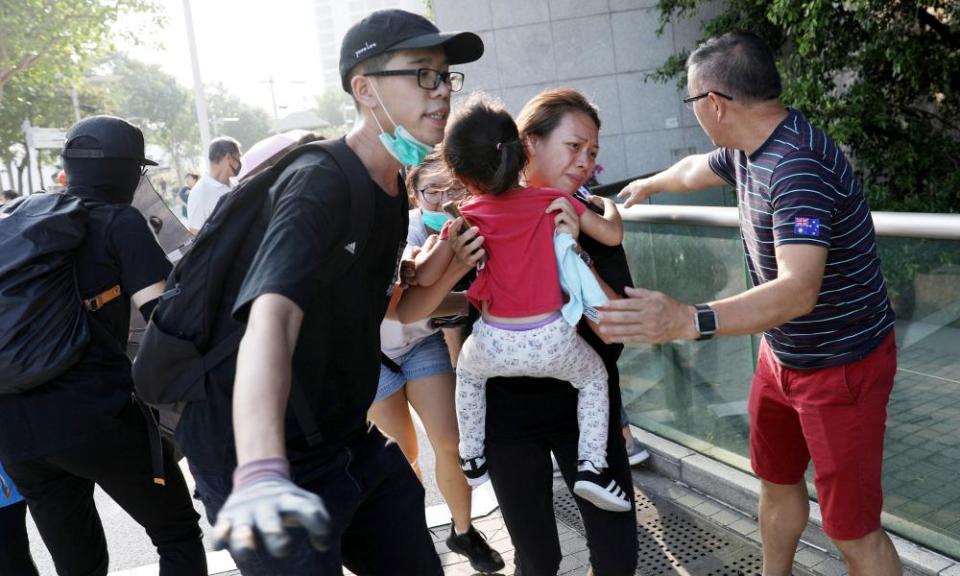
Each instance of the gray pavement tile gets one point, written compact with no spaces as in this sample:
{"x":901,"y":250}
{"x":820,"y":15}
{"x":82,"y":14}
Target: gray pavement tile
{"x":808,"y":557}
{"x":951,"y":571}
{"x":744,"y":526}
{"x":726,"y":517}
{"x":708,"y":508}
{"x":831,"y":567}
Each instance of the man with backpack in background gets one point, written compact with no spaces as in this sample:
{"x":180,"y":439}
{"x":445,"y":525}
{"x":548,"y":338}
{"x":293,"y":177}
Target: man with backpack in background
{"x":69,"y":422}
{"x":312,"y":331}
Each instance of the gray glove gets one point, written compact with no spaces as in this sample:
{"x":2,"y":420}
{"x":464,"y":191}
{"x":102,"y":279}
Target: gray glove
{"x":266,"y":507}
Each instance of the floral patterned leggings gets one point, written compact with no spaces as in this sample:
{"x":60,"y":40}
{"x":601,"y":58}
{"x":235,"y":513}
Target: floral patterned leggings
{"x":553,"y":350}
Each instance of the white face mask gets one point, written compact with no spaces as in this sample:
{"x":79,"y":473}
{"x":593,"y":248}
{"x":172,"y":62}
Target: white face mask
{"x":402,"y":145}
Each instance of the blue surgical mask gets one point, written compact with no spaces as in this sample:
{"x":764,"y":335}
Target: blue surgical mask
{"x":402,"y":145}
{"x":434,"y":220}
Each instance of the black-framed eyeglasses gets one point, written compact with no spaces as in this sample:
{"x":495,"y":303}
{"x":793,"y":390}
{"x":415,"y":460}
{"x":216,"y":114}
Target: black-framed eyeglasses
{"x":435,"y":194}
{"x":427,"y":78}
{"x":689,"y":101}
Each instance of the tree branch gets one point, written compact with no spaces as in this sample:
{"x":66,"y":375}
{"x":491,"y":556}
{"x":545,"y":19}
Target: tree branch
{"x":939,"y":27}
{"x":920,"y":112}
{"x":25,"y":63}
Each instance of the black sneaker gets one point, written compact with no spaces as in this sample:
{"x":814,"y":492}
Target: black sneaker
{"x":475,"y":470}
{"x":474,"y":546}
{"x":600,"y":489}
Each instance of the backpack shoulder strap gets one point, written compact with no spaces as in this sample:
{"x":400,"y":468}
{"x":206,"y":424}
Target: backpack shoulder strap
{"x":358,"y":233}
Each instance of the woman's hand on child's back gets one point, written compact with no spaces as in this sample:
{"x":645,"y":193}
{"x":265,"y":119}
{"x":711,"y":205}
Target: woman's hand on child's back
{"x":566,"y":219}
{"x":467,"y":245}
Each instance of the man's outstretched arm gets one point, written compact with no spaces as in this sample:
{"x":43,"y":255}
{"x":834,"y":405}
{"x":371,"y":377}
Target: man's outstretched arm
{"x":653,"y":317}
{"x":262,"y":385}
{"x":688,"y":175}
{"x":264,"y":499}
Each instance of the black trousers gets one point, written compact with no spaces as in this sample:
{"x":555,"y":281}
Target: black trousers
{"x":59,"y":492}
{"x":378,"y":525}
{"x":15,"y":558}
{"x":522,"y":476}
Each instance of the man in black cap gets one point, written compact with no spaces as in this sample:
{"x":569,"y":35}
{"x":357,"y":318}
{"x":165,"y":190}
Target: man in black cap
{"x":85,"y":427}
{"x":354,"y":493}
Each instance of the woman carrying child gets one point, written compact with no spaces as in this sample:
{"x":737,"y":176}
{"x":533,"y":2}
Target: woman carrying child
{"x":527,"y":417}
{"x":524,"y":329}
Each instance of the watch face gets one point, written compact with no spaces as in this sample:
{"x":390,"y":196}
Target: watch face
{"x":706,"y":321}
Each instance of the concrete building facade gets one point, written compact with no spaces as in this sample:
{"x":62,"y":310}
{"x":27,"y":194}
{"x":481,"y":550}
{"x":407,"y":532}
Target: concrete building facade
{"x":334,"y":18}
{"x":604,"y":48}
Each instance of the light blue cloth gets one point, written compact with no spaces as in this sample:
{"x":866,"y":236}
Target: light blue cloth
{"x":8,"y":492}
{"x":577,"y":281}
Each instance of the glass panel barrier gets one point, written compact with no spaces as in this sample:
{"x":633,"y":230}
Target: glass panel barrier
{"x":696,"y":393}
{"x":922,"y":451}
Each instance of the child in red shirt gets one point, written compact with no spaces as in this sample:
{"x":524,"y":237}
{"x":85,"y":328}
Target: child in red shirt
{"x":521,"y":331}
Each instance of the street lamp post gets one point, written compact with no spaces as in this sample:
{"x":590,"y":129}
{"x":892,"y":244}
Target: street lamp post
{"x":198,"y":96}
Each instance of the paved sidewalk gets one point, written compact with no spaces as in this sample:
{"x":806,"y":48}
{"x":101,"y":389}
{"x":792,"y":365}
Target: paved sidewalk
{"x":573,"y":544}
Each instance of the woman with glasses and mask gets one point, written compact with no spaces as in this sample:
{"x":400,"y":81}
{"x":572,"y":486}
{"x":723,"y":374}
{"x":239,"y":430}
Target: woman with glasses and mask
{"x":416,"y":372}
{"x":530,"y":418}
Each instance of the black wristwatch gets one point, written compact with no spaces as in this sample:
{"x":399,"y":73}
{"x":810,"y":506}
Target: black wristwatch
{"x":705,"y":321}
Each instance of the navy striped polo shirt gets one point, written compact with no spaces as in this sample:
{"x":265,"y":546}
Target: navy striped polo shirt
{"x":798,"y":188}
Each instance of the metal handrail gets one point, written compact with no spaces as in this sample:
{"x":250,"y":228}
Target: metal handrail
{"x":898,"y":224}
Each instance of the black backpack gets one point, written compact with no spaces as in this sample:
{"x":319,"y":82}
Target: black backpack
{"x":43,"y":327}
{"x":192,"y":331}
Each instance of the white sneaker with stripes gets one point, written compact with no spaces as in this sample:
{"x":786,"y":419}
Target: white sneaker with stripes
{"x":598,"y":488}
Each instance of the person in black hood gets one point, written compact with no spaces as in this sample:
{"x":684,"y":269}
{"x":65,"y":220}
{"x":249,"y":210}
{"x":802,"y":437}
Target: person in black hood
{"x":86,"y":427}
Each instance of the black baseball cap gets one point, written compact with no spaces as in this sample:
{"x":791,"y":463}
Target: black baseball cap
{"x":391,"y":30}
{"x":99,"y":137}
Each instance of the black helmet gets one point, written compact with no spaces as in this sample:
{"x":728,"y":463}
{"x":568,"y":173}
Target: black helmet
{"x":105,"y":137}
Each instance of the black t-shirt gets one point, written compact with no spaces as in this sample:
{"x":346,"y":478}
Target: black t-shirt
{"x":119,"y":249}
{"x":522,"y":409}
{"x":337,"y":357}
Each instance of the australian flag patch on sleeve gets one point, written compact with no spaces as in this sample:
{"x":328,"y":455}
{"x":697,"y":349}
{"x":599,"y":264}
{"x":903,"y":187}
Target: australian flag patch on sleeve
{"x":806,"y":226}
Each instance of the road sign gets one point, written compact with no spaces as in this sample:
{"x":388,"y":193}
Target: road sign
{"x":38,"y":138}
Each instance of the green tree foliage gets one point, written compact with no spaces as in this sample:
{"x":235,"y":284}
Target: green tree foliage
{"x":46,"y":40}
{"x":45,"y":47}
{"x":882,"y":77}
{"x":233,"y":117}
{"x":159,"y":105}
{"x":331,"y":105}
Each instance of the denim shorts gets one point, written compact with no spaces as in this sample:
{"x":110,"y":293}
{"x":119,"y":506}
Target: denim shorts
{"x":427,"y":358}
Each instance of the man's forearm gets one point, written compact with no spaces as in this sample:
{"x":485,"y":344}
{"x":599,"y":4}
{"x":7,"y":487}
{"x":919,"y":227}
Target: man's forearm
{"x":653,"y":317}
{"x":674,"y":179}
{"x":763,"y":307}
{"x":261,"y":392}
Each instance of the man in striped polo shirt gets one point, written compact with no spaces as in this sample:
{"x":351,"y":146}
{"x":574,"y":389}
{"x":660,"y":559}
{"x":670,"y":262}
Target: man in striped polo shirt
{"x":828,"y":355}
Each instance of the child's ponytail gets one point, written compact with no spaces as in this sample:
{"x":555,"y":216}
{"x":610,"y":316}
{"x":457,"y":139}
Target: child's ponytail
{"x":482,"y":146}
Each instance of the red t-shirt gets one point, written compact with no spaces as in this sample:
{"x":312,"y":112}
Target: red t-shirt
{"x":520,"y":276}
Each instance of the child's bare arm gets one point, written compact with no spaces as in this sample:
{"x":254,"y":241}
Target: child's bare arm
{"x":432,"y":263}
{"x":606,"y":229}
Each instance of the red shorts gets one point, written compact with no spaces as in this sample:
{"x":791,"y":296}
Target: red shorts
{"x":835,"y":416}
